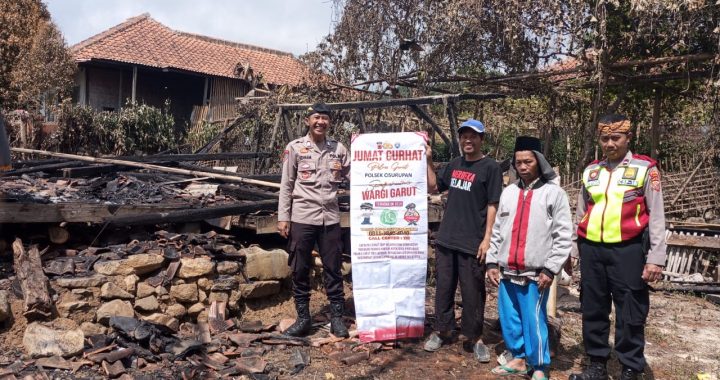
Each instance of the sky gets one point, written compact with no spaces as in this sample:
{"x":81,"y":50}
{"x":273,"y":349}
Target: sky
{"x":294,"y":26}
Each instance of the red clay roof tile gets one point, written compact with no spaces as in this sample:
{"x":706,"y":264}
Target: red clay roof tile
{"x":142,"y":40}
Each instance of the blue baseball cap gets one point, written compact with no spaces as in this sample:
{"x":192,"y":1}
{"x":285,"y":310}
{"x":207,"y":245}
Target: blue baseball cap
{"x":475,"y":125}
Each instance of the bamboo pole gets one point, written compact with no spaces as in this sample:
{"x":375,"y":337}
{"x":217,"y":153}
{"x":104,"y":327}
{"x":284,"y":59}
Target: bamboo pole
{"x":689,"y":178}
{"x":150,"y":167}
{"x":552,"y":297}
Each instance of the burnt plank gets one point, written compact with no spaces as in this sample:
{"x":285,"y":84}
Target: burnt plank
{"x":74,"y":212}
{"x":189,"y":215}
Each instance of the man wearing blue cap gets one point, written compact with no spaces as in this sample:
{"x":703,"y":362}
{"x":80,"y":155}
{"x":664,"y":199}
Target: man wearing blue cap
{"x":474,"y":184}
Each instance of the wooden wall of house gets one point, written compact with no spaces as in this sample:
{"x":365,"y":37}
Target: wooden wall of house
{"x":223,"y":92}
{"x":221,"y":105}
{"x":104,"y":87}
{"x":109,"y":87}
{"x":183,"y":90}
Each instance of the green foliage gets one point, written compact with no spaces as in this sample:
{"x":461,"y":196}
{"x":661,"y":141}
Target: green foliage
{"x":147,"y":129}
{"x":134,"y":129}
{"x":202,"y":134}
{"x":441,"y":152}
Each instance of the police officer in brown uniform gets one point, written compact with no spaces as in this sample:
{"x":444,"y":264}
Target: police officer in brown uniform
{"x":308,"y":214}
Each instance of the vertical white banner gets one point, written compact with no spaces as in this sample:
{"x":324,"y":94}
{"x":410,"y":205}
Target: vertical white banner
{"x":388,"y":228}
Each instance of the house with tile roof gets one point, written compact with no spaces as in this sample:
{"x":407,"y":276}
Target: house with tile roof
{"x":142,"y":60}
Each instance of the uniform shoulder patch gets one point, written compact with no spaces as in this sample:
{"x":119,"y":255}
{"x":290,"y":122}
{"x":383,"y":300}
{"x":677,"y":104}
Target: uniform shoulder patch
{"x":285,"y":155}
{"x":654,"y":177}
{"x":645,"y":158}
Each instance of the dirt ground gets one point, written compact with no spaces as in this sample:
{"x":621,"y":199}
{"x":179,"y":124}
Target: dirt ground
{"x":682,"y":340}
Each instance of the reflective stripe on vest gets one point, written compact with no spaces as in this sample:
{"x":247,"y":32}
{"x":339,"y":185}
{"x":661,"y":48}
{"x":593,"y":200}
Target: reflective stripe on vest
{"x":616,"y":210}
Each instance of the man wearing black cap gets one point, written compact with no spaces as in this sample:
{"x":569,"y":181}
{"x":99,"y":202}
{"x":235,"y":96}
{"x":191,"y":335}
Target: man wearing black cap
{"x":531,"y":240}
{"x":474,"y":184}
{"x":308,"y":214}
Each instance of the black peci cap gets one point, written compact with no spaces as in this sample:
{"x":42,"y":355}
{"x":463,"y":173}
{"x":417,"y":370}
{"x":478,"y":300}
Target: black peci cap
{"x":321,"y":108}
{"x":527,"y":143}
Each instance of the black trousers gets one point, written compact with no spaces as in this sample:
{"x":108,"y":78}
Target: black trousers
{"x":451,"y":266}
{"x":302,"y":240}
{"x":613,"y":273}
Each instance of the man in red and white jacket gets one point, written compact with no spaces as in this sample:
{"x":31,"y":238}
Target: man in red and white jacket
{"x":531,"y":240}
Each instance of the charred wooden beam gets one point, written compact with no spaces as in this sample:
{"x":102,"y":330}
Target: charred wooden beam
{"x":275,"y":178}
{"x":72,"y":212}
{"x":693,"y":289}
{"x":207,"y":147}
{"x":195,"y":214}
{"x":21,"y":164}
{"x":452,"y":118}
{"x":194,"y":157}
{"x":147,"y":166}
{"x":42,"y":168}
{"x":428,"y":119}
{"x":247,"y":193}
{"x":384,"y":103}
{"x":361,"y":119}
{"x":91,"y":170}
{"x":33,"y":282}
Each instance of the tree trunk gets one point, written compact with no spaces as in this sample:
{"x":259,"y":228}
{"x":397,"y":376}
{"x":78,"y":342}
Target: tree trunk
{"x":655,"y":128}
{"x":601,"y":46}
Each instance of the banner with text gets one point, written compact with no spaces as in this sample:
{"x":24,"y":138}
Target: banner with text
{"x":388,"y":221}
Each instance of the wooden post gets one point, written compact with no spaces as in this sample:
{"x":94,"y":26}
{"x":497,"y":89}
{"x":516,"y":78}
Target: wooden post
{"x":552,"y":297}
{"x":655,"y":127}
{"x":82,"y":93}
{"x":206,"y":101}
{"x":549,"y":129}
{"x":361,"y":118}
{"x":300,"y":130}
{"x":258,"y":139}
{"x":120,"y":86}
{"x":452,"y":118}
{"x":287,"y":131}
{"x":133,"y":97}
{"x":428,"y":119}
{"x":273,"y":138}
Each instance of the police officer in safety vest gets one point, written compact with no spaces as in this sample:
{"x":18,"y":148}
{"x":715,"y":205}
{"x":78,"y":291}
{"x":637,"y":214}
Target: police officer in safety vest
{"x":621,"y":242}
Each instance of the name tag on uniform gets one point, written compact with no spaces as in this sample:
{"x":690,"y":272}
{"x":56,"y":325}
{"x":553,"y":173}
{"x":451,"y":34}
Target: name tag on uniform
{"x":592,"y":183}
{"x":630,"y":173}
{"x":627,"y":182}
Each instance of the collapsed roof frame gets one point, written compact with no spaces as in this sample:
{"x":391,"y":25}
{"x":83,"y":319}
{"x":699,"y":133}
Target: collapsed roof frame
{"x":282,"y":118}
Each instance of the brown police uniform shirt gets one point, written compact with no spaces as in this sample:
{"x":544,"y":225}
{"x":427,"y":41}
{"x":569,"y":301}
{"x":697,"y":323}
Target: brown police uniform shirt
{"x":310,"y":179}
{"x":655,"y":207}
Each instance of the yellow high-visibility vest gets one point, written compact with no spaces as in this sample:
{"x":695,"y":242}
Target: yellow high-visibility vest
{"x":616,"y":207}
